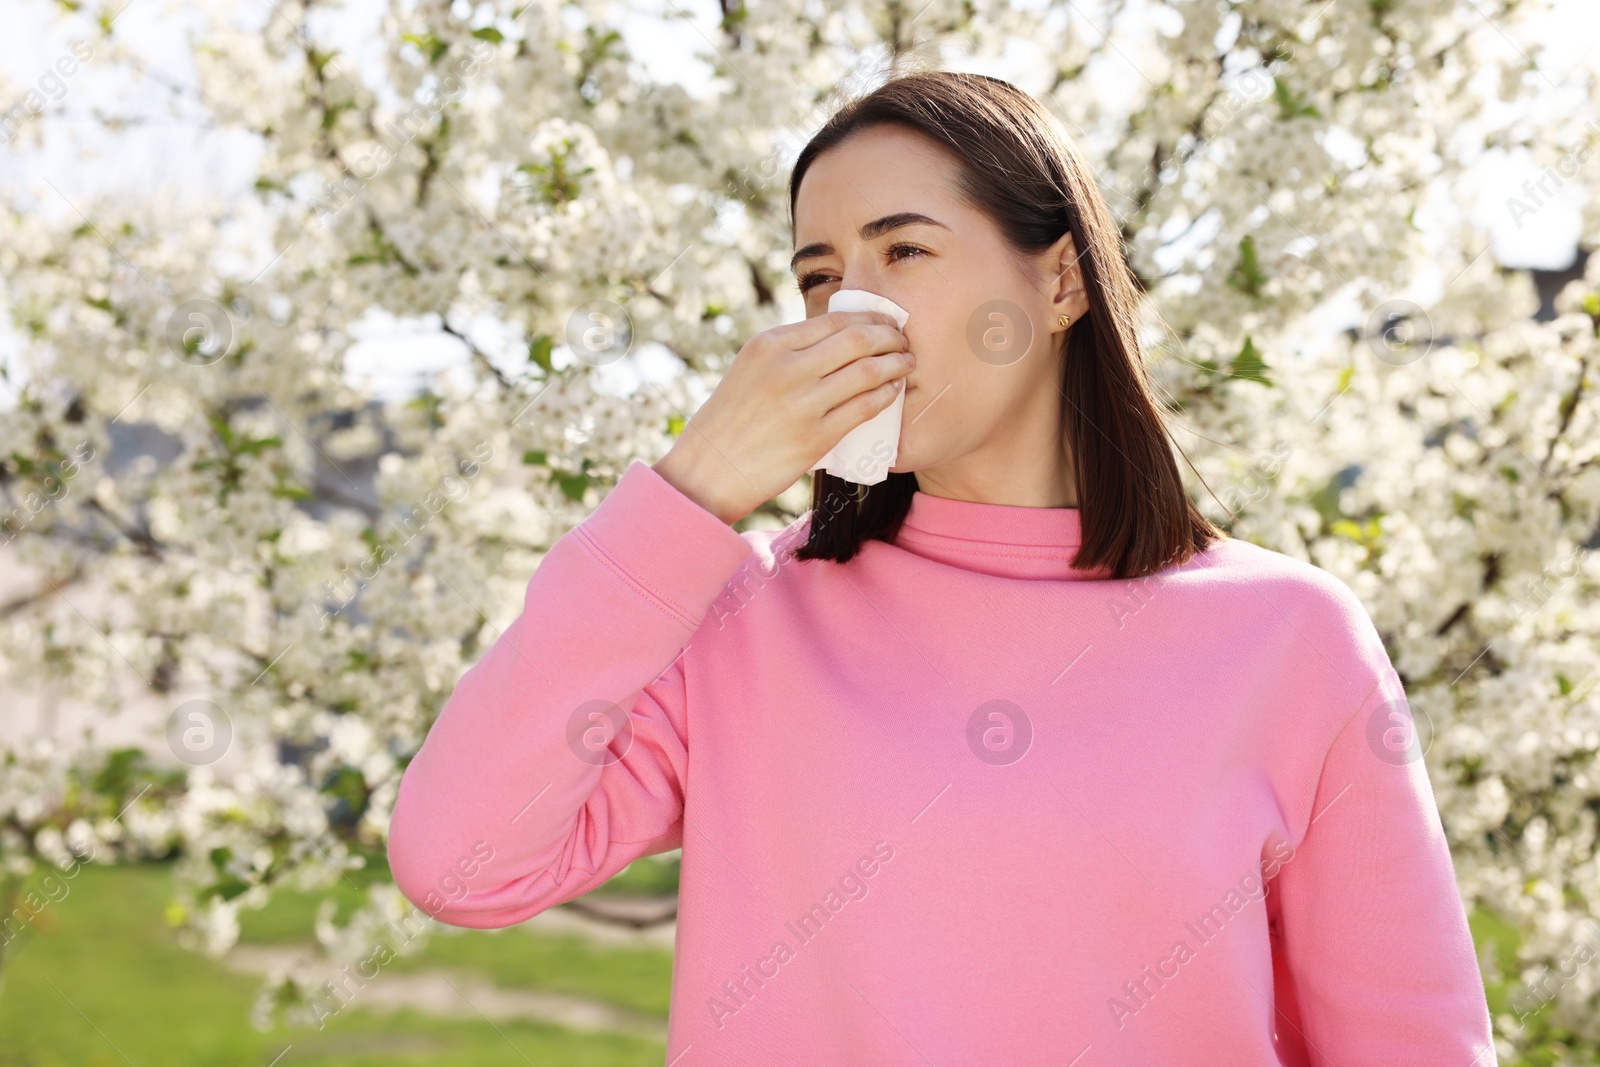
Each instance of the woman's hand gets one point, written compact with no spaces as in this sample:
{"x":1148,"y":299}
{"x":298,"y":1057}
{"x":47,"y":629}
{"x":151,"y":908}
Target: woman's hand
{"x":792,"y":393}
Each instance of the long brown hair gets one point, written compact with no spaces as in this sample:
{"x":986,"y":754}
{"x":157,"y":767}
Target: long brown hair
{"x":1017,"y":167}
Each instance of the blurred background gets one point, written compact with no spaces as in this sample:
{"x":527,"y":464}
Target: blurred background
{"x":324,"y":320}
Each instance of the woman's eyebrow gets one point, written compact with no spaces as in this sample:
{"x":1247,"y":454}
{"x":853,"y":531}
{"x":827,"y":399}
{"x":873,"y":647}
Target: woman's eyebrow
{"x":875,"y":228}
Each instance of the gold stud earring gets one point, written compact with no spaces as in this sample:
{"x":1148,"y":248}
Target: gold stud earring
{"x":1065,"y":320}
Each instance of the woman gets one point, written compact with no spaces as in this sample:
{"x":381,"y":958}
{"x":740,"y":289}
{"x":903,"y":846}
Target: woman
{"x":1011,"y":758}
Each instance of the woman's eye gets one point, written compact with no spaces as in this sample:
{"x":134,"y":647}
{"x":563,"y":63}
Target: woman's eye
{"x":817,"y":277}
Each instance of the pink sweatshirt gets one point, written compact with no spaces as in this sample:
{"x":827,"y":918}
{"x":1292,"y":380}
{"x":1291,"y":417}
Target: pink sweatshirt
{"x":956,"y":803}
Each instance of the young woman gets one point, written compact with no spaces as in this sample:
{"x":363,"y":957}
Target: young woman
{"x":1010,"y":758}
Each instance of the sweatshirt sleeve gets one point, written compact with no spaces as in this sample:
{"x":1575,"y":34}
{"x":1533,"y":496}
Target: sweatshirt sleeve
{"x":560,"y":756}
{"x":1374,"y":932}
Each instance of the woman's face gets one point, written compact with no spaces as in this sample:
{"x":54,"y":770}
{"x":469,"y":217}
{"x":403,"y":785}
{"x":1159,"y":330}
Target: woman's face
{"x":985,"y":391}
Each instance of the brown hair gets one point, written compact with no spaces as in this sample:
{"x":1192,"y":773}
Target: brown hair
{"x":1018,"y":168}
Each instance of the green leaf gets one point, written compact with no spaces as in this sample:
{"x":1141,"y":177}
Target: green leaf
{"x":1291,"y":105}
{"x":675,"y":424}
{"x":224,"y":431}
{"x":539,"y":351}
{"x":573,"y":486}
{"x":1346,"y":528}
{"x":256,"y":447}
{"x":1280,"y":93}
{"x":382,"y":251}
{"x":1247,"y":276}
{"x":534,"y":458}
{"x":319,"y":59}
{"x":1248,"y":364}
{"x":429,"y":402}
{"x":227,"y":889}
{"x":348,"y":786}
{"x":490,"y":34}
{"x":427,"y":44}
{"x":124,"y":768}
{"x":554,"y":182}
{"x":1362,"y":533}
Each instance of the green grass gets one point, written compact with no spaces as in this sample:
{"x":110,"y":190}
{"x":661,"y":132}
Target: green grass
{"x":635,"y":978}
{"x":640,"y":979}
{"x":99,"y":979}
{"x":1549,"y":1044}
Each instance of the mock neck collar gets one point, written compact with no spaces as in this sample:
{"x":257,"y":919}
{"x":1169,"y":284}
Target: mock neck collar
{"x":1005,"y":540}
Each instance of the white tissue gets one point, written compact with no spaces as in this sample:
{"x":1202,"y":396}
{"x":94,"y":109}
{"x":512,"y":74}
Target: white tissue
{"x":865,"y":454}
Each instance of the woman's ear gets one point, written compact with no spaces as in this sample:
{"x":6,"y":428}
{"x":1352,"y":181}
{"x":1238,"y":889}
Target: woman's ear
{"x":1066,"y":291}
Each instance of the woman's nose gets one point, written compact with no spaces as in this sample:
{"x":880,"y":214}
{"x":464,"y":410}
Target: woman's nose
{"x":860,"y":277}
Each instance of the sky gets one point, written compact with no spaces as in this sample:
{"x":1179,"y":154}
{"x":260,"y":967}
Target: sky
{"x":166,"y":148}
